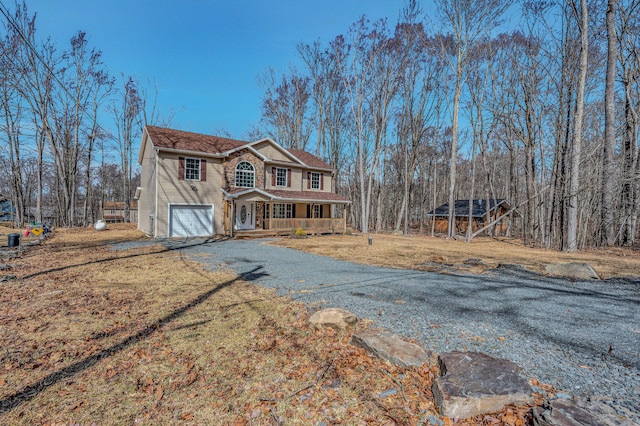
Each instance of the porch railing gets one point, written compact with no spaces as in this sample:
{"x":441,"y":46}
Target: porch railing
{"x":323,"y":226}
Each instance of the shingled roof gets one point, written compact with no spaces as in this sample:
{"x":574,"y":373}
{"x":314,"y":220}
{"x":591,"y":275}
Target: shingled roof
{"x":309,"y":159}
{"x":181,"y":140}
{"x":276,"y":194}
{"x":308,"y":195}
{"x":188,"y":141}
{"x":479,"y":208}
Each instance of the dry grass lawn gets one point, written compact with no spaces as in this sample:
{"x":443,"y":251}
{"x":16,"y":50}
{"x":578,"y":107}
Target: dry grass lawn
{"x":431,"y":253}
{"x":89,"y":335}
{"x":95,"y":336}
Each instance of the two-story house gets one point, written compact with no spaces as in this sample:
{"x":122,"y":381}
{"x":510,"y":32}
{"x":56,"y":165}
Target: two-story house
{"x":201,"y":185}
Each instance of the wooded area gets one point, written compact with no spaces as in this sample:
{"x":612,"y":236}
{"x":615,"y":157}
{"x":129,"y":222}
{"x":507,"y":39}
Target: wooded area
{"x":55,"y":108}
{"x":535,"y":102}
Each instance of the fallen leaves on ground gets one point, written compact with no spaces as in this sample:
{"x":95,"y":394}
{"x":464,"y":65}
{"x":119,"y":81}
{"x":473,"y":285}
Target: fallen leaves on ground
{"x":93,"y":335}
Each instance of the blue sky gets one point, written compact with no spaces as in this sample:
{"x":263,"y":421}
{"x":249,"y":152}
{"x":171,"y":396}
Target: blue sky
{"x":204,"y":55}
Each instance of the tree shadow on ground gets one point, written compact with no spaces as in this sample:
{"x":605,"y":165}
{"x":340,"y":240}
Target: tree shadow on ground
{"x":167,"y":246}
{"x":30,"y":392}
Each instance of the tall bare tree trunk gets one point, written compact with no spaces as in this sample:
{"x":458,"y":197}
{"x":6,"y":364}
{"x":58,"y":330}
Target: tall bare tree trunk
{"x":574,"y":182}
{"x":469,"y":234}
{"x":608,"y":167}
{"x":454,"y":149}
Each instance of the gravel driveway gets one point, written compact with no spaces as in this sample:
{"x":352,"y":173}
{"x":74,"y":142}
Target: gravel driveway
{"x":582,"y":337}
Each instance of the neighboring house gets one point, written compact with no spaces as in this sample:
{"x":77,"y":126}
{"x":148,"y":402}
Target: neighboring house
{"x":7,"y":211}
{"x":200,"y":185}
{"x":113,"y":211}
{"x":498,"y":207}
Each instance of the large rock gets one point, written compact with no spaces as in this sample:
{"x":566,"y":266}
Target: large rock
{"x":563,"y":412}
{"x":473,"y":383}
{"x":390,"y":346}
{"x":578,"y":270}
{"x":332,"y":317}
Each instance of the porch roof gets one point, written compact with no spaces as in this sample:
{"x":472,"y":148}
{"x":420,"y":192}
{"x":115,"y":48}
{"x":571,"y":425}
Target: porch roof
{"x":289,"y":196}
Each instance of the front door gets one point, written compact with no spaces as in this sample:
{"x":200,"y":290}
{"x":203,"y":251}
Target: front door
{"x":245,"y":215}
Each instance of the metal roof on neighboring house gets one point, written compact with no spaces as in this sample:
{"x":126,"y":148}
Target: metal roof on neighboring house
{"x":479,"y":208}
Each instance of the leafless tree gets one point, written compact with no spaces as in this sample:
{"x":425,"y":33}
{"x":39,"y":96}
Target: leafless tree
{"x":329,"y":98}
{"x":127,"y":116}
{"x":417,"y":98}
{"x":285,"y":107}
{"x":467,"y":20}
{"x":608,"y":166}
{"x":576,"y":147}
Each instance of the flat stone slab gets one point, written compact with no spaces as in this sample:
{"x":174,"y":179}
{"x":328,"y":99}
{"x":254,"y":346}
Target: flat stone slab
{"x":578,"y":270}
{"x":332,"y":317}
{"x":474,"y":383}
{"x":564,"y":412}
{"x":391,"y":347}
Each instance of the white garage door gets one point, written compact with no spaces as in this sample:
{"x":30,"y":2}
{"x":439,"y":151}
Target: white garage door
{"x":191,"y":221}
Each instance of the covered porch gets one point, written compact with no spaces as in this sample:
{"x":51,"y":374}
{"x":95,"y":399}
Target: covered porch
{"x":255,"y":212}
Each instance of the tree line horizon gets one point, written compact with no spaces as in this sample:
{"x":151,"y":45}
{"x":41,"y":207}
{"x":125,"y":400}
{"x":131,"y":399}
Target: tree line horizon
{"x":544,"y":115}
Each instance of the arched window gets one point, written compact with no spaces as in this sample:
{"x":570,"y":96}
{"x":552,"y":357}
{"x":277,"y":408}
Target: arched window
{"x":245,"y":175}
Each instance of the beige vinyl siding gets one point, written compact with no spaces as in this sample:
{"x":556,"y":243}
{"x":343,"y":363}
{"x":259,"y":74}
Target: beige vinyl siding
{"x":271,"y":152}
{"x":327,"y":182}
{"x":325,"y":176}
{"x":296,"y":178}
{"x":146,"y":203}
{"x":175,"y":191}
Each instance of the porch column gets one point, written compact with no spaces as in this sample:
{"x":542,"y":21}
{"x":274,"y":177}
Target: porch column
{"x":232,"y":218}
{"x":344,"y":220}
{"x":313,"y":219}
{"x":271,"y":215}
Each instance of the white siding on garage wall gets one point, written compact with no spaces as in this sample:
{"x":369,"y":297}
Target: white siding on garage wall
{"x":190,"y":220}
{"x":175,"y":191}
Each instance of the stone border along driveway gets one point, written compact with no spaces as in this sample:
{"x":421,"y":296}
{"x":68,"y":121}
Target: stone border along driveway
{"x":582,"y":337}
